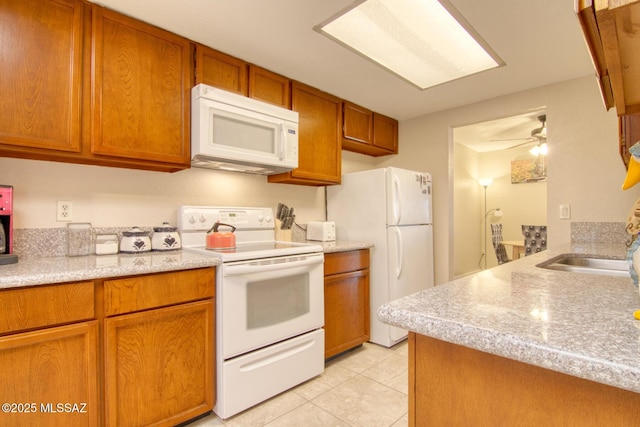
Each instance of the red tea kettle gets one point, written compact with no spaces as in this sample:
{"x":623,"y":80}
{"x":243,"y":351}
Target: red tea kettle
{"x":221,"y":239}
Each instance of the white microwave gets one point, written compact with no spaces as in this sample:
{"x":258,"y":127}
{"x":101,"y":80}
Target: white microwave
{"x":237,"y":133}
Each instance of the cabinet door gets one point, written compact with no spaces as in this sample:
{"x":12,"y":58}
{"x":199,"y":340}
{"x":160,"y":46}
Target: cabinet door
{"x":41,"y":77}
{"x":141,"y":82}
{"x":50,"y":377}
{"x":629,"y":127}
{"x":346,"y":312}
{"x":221,"y":70}
{"x":385,"y":133}
{"x":358,"y":124}
{"x":320,"y":133}
{"x":269,"y":87}
{"x":159,"y":365}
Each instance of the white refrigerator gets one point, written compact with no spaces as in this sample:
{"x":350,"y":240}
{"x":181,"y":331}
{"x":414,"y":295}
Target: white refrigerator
{"x":390,"y":208}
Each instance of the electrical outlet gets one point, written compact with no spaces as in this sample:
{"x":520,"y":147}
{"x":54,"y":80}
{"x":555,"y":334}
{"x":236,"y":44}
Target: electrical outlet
{"x":565,"y":211}
{"x":64,"y":211}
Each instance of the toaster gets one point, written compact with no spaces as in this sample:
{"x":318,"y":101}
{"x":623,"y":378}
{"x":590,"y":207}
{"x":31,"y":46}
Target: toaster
{"x":324,"y":231}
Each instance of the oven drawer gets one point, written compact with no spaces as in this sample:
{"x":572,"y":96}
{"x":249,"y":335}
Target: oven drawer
{"x":275,"y":368}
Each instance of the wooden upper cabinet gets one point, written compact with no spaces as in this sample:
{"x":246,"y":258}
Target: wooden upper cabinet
{"x":629,"y":129}
{"x":615,"y":48}
{"x":220,"y":70}
{"x":367,"y":132}
{"x":41,"y":77}
{"x":141,"y":90}
{"x":320,"y":134}
{"x":269,"y":87}
{"x":385,"y":133}
{"x":357,"y":126}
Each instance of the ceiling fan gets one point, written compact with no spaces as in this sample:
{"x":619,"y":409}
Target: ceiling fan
{"x":538,"y":135}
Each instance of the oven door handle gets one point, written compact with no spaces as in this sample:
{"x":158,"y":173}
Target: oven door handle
{"x":259,"y":267}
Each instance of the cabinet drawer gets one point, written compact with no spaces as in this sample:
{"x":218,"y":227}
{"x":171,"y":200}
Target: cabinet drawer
{"x":42,"y":306}
{"x":340,"y":262}
{"x":157,"y":290}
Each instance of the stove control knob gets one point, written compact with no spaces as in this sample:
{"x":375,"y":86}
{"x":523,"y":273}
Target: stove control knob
{"x":268,"y":219}
{"x":260,"y":218}
{"x":202,"y":218}
{"x":192,"y":220}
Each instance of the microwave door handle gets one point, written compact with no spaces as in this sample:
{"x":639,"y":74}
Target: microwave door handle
{"x":283,"y":131}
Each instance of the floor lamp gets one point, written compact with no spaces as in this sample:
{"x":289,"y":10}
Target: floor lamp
{"x":485,"y":182}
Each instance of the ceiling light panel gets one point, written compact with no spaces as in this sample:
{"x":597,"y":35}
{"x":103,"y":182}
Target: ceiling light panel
{"x":419,"y":40}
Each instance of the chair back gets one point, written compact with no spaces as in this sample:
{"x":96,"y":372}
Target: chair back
{"x":498,"y":247}
{"x":535,"y":238}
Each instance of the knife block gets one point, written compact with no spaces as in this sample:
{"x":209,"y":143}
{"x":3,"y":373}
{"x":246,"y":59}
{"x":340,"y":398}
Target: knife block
{"x":282,"y":235}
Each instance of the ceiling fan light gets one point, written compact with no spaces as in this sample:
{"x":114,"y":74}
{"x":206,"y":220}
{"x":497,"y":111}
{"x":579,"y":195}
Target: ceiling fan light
{"x":535,"y":151}
{"x":543,"y":148}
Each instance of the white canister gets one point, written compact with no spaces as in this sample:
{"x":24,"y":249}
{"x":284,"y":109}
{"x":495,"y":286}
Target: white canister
{"x":165,"y":238}
{"x":135,"y":241}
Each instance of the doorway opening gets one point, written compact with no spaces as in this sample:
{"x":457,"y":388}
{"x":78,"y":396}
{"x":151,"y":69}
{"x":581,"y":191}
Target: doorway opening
{"x":511,"y":154}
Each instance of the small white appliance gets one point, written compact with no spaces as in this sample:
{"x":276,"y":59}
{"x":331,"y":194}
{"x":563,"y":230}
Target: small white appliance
{"x":323,"y":231}
{"x":390,"y":208}
{"x":269,"y":306}
{"x":236,"y":133}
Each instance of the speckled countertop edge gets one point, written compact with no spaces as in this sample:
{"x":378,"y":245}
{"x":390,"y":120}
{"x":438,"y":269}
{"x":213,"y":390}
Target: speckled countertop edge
{"x":31,"y":271}
{"x":578,"y":324}
{"x":341,"y":246}
{"x":50,"y":270}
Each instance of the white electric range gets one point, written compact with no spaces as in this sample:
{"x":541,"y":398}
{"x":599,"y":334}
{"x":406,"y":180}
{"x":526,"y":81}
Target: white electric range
{"x":269,"y":306}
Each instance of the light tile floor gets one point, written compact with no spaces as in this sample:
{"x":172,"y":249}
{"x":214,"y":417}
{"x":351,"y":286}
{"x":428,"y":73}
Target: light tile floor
{"x":366,"y":387}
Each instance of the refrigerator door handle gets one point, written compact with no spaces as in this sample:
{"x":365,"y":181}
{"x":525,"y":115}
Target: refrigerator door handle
{"x":399,"y":252}
{"x":397,"y":211}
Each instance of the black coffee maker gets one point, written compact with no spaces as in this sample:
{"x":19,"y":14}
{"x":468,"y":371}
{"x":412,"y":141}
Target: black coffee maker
{"x":6,"y":226}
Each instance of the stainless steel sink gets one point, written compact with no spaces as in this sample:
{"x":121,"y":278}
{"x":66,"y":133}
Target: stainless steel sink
{"x":576,"y":263}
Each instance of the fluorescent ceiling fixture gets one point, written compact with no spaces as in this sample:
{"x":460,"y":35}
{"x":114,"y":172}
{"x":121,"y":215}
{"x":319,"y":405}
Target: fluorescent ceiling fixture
{"x":418,"y":40}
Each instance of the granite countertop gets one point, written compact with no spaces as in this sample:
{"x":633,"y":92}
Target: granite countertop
{"x":31,"y":271}
{"x":574,"y":323}
{"x":341,"y":245}
{"x":60,"y":269}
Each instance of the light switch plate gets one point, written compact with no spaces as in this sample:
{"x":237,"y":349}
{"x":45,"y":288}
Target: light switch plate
{"x":565,"y":211}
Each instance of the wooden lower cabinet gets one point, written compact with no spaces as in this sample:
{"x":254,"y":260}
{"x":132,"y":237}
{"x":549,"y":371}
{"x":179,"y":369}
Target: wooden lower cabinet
{"x":159,"y":348}
{"x":49,"y":377}
{"x":138,"y":350}
{"x":49,"y":356}
{"x":454,"y":385}
{"x":159,"y":365}
{"x":346,"y":300}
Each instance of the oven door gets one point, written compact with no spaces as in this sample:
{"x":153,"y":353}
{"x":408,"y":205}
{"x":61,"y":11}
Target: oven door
{"x":264,"y":301}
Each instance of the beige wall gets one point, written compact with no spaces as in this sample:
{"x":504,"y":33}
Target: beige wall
{"x":467,"y":196}
{"x":114,"y":197}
